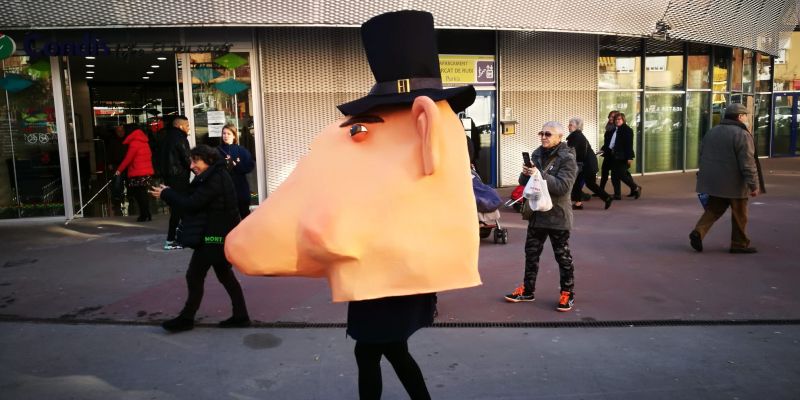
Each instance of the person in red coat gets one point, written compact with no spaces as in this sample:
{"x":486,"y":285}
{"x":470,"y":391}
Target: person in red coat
{"x":139,"y":164}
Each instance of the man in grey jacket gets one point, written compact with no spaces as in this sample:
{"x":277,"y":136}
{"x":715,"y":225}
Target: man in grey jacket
{"x":555,"y":160}
{"x":728,"y":174}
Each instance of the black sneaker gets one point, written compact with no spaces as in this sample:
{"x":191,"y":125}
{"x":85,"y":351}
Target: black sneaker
{"x":518,"y":295}
{"x":695,"y":241}
{"x":637,"y":193}
{"x":566,"y":301}
{"x":607,"y":202}
{"x":743,"y":250}
{"x":235,"y":322}
{"x":586,"y":196}
{"x":178,"y":324}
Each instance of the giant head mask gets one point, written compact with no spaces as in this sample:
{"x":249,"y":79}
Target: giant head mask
{"x":382,"y":204}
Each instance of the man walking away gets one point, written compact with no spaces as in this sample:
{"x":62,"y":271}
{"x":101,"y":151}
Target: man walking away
{"x":174,"y":165}
{"x":728,"y":174}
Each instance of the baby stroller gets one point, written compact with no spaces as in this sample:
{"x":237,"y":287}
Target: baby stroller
{"x":488,"y":204}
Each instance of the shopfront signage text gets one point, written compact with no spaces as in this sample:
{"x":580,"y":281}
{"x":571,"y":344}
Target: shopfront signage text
{"x":461,"y":69}
{"x":36,"y":45}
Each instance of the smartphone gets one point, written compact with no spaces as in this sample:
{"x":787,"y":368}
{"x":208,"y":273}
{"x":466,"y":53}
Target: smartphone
{"x":526,"y":157}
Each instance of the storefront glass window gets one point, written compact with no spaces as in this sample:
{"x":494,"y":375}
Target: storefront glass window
{"x":30,"y":177}
{"x":787,"y":65}
{"x":782,"y":143}
{"x":664,"y":72}
{"x":763,"y":73}
{"x":761,"y":122}
{"x":698,"y":72}
{"x":736,"y":70}
{"x":718,"y":103}
{"x":627,"y":103}
{"x":697,"y":123}
{"x":722,"y":59}
{"x":221,"y":94}
{"x":747,"y":71}
{"x":619,"y":64}
{"x":663,"y":132}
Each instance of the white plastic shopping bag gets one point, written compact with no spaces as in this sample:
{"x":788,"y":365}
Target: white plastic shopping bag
{"x":537,"y":194}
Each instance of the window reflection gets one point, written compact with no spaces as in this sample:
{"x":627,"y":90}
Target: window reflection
{"x":697,"y":123}
{"x":663,"y":130}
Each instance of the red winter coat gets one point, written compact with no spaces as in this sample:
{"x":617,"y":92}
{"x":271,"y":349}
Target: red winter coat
{"x":138,"y":157}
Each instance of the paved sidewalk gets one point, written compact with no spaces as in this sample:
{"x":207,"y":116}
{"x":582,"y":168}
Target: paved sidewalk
{"x":79,"y":305}
{"x":633,"y":262}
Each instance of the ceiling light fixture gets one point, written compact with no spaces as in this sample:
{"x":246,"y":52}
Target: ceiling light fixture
{"x":89,"y":77}
{"x":161,"y":58}
{"x":90,"y":57}
{"x":150,"y":72}
{"x":89,"y":72}
{"x":89,"y":65}
{"x":155,"y":66}
{"x":145,"y":77}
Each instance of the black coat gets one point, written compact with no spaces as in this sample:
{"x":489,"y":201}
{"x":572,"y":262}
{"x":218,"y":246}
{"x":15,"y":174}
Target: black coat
{"x":623,"y":145}
{"x":389,"y":319}
{"x":174,"y":160}
{"x":584,"y":154}
{"x":243,"y":167}
{"x":213,"y":196}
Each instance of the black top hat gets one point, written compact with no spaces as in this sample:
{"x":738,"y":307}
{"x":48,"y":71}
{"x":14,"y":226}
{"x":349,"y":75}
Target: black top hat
{"x":404,"y":58}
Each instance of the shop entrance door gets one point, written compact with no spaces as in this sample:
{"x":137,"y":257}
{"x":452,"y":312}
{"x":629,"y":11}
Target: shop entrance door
{"x":106,"y":97}
{"x":479,"y":124}
{"x":217,"y":91}
{"x":784,"y":141}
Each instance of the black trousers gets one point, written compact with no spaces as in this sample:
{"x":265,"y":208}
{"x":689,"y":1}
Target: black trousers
{"x":370,"y":382}
{"x":204,"y":258}
{"x":174,"y":218}
{"x":620,"y":172}
{"x":605,"y":169}
{"x":534,"y":244}
{"x":142,"y":200}
{"x":590,"y":180}
{"x":244,"y":207}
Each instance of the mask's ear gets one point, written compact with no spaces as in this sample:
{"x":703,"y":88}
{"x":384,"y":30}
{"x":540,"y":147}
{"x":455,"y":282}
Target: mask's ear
{"x":426,"y":115}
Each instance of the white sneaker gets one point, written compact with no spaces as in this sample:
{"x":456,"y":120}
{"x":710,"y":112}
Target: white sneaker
{"x":172,"y":245}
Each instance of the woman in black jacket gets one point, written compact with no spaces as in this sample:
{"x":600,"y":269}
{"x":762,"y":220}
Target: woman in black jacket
{"x":587,"y":165}
{"x":212,"y":196}
{"x":621,"y":145}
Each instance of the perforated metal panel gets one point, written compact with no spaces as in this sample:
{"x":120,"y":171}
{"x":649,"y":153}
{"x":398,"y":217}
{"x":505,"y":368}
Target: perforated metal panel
{"x":306,"y":73}
{"x":544,"y":77}
{"x":750,"y":24}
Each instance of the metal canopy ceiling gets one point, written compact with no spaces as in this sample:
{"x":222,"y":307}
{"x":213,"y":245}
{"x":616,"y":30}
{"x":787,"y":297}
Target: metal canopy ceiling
{"x":754,"y":24}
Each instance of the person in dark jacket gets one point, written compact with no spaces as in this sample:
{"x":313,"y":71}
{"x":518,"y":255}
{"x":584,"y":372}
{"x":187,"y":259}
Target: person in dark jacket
{"x":115,"y":153}
{"x":620,"y":145}
{"x":212,"y":195}
{"x":556,"y":163}
{"x":174,"y":165}
{"x":240,"y":163}
{"x":138,"y":163}
{"x":605,"y":152}
{"x":587,"y":165}
{"x":728,"y":174}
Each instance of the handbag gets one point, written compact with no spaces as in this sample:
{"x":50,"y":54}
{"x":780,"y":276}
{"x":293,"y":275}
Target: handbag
{"x":191,"y":229}
{"x":486,"y":197}
{"x":118,"y":188}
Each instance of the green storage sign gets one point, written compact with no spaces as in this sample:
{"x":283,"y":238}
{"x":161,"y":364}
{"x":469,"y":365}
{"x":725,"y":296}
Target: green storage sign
{"x":7,"y":46}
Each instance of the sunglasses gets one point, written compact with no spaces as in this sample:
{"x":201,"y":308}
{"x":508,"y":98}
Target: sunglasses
{"x":545,"y":134}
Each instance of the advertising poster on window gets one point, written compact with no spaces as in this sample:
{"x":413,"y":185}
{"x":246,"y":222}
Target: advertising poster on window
{"x":216,"y":120}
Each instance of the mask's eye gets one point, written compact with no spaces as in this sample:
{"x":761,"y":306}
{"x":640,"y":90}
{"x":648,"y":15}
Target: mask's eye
{"x":358,"y":132}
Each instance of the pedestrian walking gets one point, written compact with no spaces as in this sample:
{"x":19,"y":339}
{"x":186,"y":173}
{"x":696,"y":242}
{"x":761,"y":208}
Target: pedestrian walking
{"x":555,"y":161}
{"x":213,"y":199}
{"x":605,"y":152}
{"x":138,"y":163}
{"x":175,"y":170}
{"x":621,"y":148}
{"x":586,"y":160}
{"x":728,"y":174}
